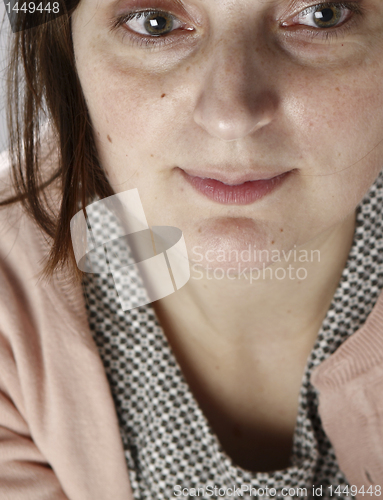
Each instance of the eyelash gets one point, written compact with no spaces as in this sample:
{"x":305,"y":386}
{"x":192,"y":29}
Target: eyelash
{"x":136,"y":38}
{"x":334,"y":32}
{"x":159,"y":41}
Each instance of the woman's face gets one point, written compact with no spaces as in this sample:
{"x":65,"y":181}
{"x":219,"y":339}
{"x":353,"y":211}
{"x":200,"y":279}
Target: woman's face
{"x":236,"y":90}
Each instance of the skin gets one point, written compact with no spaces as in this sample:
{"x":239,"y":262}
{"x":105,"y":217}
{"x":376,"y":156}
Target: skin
{"x":239,"y":92}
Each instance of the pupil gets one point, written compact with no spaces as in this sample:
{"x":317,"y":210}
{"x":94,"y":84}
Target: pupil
{"x":325,"y":15}
{"x":159,"y":23}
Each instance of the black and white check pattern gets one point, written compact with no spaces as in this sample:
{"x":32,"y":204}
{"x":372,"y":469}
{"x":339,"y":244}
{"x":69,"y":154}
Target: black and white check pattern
{"x":167,"y":439}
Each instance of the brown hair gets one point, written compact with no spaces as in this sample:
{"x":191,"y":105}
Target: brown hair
{"x":43,"y":84}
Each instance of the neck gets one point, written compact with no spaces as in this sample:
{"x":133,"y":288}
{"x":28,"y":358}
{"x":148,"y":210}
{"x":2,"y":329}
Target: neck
{"x":286,"y":299}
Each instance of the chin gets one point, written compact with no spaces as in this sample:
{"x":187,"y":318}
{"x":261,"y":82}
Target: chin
{"x":232,"y":244}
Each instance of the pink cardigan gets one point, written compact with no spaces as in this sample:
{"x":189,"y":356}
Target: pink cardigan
{"x":59,"y":435}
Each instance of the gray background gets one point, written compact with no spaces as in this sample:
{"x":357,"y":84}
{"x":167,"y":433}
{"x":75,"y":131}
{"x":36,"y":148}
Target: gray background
{"x":5,"y":33}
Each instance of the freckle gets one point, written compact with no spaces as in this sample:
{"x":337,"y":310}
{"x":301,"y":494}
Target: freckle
{"x":152,"y":156}
{"x":288,"y":312}
{"x":281,"y":230}
{"x":109,"y":139}
{"x":163,"y":95}
{"x":337,"y":88}
{"x":217,"y":367}
{"x":187,"y":69}
{"x":199,"y":230}
{"x":272,"y":242}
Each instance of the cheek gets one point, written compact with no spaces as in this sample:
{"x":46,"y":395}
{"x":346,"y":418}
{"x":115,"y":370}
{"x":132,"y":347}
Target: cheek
{"x":337,"y":124}
{"x":132,"y":107}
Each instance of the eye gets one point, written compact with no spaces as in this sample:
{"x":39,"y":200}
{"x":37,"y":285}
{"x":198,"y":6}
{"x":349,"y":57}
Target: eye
{"x":325,"y":15}
{"x":152,"y":23}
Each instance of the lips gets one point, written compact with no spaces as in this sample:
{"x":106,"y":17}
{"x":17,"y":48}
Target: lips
{"x":235,"y":191}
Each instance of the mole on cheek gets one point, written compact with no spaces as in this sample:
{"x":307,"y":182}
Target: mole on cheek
{"x":163,"y":95}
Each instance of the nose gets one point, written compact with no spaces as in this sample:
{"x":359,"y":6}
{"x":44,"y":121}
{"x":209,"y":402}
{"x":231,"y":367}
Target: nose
{"x":234,"y":100}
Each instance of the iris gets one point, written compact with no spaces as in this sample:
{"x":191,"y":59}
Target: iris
{"x":158,"y":24}
{"x":327,"y":17}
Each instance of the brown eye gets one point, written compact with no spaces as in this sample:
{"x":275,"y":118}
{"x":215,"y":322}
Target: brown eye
{"x":327,"y":17}
{"x":153,"y":23}
{"x":159,"y":24}
{"x":323,"y":15}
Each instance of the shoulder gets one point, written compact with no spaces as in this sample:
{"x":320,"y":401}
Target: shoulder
{"x":52,"y":381}
{"x":23,"y":245}
{"x":24,"y":249}
{"x":39,"y":317}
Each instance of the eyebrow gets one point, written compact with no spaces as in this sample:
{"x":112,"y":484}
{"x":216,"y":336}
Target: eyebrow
{"x":115,"y":3}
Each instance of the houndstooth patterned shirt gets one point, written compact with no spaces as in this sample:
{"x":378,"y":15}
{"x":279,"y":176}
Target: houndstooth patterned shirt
{"x":167,"y":439}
